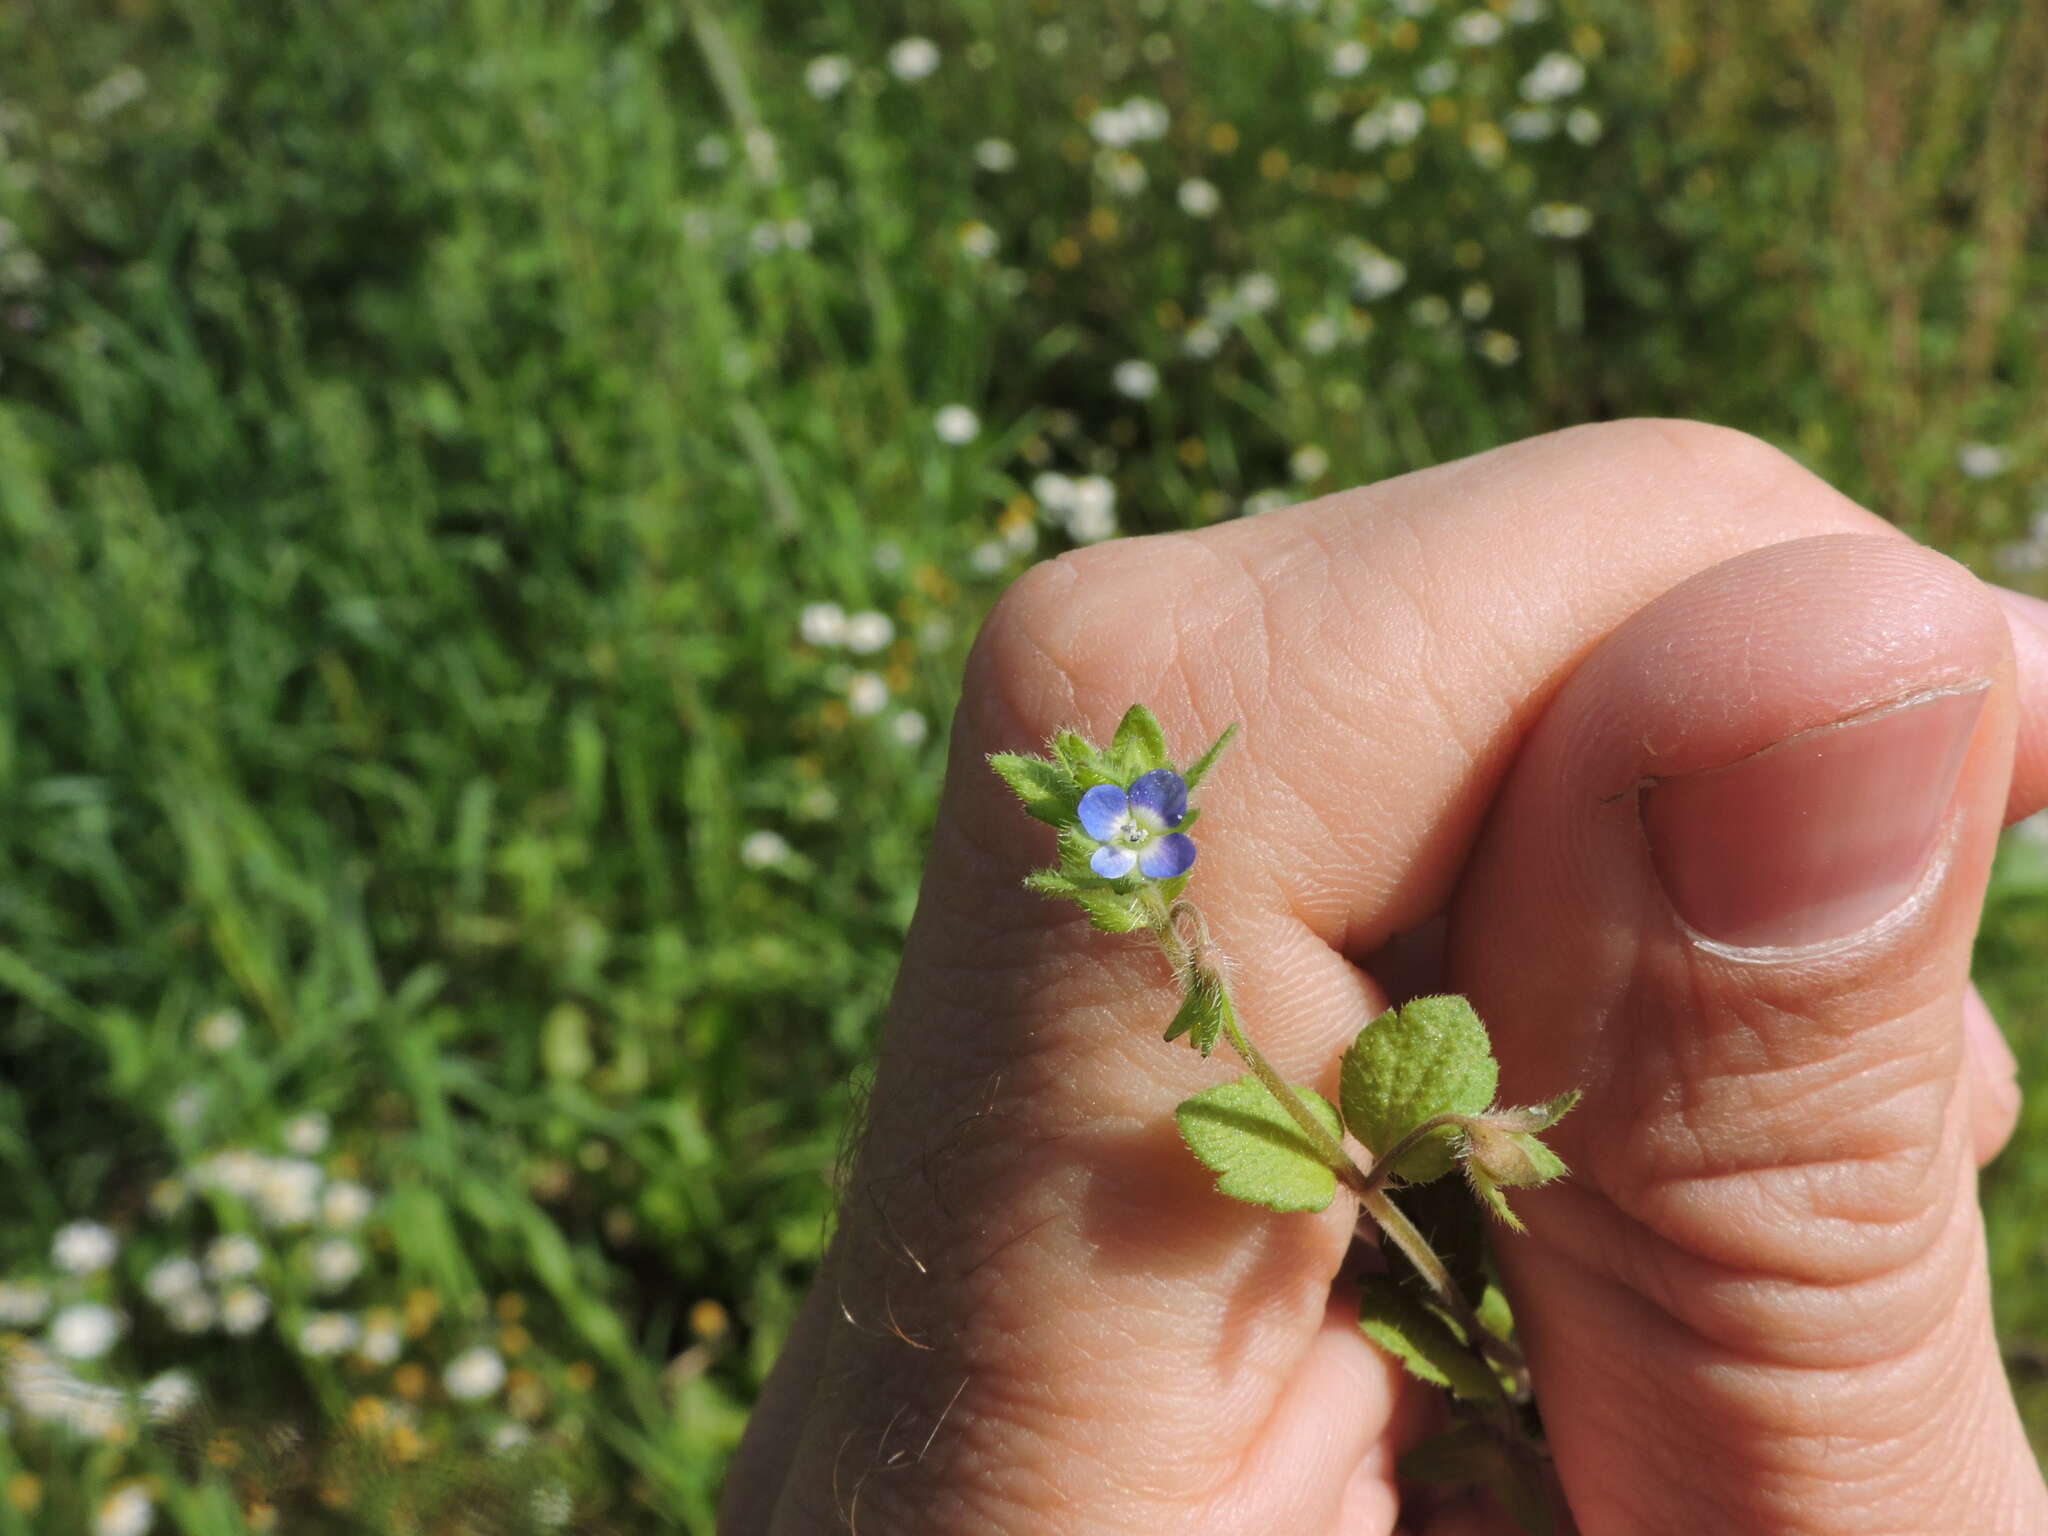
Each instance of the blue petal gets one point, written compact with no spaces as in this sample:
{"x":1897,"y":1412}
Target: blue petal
{"x":1102,"y":811}
{"x":1112,"y":862}
{"x":1165,"y":857}
{"x":1163,"y":793}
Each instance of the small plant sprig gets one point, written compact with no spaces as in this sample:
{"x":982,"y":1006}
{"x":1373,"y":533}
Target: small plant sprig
{"x":1417,"y":1090}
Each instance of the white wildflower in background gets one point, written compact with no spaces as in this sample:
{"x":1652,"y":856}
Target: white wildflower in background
{"x":1139,"y":120}
{"x":1556,"y":76}
{"x":289,"y":1193}
{"x":1583,"y":125}
{"x":1475,"y":301}
{"x":888,"y":556}
{"x":1198,"y":198}
{"x":1436,"y":77}
{"x":763,"y":849}
{"x":326,"y":1334}
{"x":510,"y":1436}
{"x":1375,"y":274}
{"x":1478,"y":29}
{"x":1268,"y":501}
{"x":1092,"y":517}
{"x":47,"y":1391}
{"x":1308,"y":462}
{"x":1561,"y":221}
{"x":23,"y":1305}
{"x":978,"y":240}
{"x":868,"y":632}
{"x":822,"y":625}
{"x":1256,"y":293}
{"x":83,"y":1248}
{"x":996,"y":155}
{"x":85,"y":1330}
{"x":1530,"y":125}
{"x":243,"y":1310}
{"x":866,"y":694}
{"x":306,"y":1134}
{"x":713,"y":152}
{"x":126,"y":1512}
{"x":1203,"y":339}
{"x":168,"y":1396}
{"x":172,"y":1278}
{"x":909,"y":728}
{"x":1054,"y":492}
{"x":913,"y":58}
{"x":1525,"y":12}
{"x":382,"y":1341}
{"x":956,"y":425}
{"x":1123,"y":173}
{"x":827,"y":75}
{"x":1136,"y":378}
{"x":124,"y":87}
{"x":1982,"y":461}
{"x":1405,"y":119}
{"x":1430,"y":311}
{"x":191,"y":1313}
{"x":1321,"y":334}
{"x":552,"y":1506}
{"x":817,"y":803}
{"x":1498,"y":348}
{"x":988,"y":558}
{"x":345,"y":1204}
{"x":1052,"y":39}
{"x":1349,"y":58}
{"x":335,"y":1262}
{"x":473,"y":1374}
{"x":233,"y":1256}
{"x":220,"y":1031}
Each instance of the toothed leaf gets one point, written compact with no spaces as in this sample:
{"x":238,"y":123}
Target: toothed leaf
{"x":1430,"y":1057}
{"x":1255,"y":1149}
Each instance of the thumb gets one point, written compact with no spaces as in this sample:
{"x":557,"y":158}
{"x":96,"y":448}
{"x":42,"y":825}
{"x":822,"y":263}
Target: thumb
{"x":1730,"y":890}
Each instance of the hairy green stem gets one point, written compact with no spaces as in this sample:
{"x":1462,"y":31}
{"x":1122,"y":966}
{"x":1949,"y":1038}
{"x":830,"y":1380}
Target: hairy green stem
{"x":1370,"y":1188}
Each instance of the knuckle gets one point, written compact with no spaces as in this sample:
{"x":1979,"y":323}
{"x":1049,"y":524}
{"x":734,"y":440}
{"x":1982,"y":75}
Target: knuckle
{"x":1677,"y":451}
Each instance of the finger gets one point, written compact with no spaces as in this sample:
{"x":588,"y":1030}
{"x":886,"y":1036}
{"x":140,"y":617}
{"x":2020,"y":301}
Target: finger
{"x":1731,"y":888}
{"x":1034,"y":1288}
{"x":1994,"y":1081}
{"x":2027,"y":619}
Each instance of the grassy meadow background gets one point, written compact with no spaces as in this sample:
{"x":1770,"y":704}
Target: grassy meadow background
{"x":494,"y":496}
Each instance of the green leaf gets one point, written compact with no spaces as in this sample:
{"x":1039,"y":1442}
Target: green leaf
{"x":1471,"y":1454}
{"x":1199,"y":769}
{"x":1110,"y":910}
{"x":1046,"y":788}
{"x":1140,"y":744}
{"x":1254,"y":1147}
{"x":1430,"y":1057}
{"x":1420,"y":1338}
{"x":1203,"y":1013}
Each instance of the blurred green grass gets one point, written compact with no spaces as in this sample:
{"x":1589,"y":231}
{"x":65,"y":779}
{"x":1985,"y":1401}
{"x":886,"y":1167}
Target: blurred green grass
{"x":423,"y":427}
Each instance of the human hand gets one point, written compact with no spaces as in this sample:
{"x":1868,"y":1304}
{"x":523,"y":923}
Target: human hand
{"x":1495,"y":693}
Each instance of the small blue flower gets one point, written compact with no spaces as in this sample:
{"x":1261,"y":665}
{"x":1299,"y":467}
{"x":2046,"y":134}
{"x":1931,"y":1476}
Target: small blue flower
{"x":1135,"y":827}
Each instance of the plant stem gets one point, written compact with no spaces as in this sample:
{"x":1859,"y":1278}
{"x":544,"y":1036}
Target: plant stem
{"x":1370,"y":1188}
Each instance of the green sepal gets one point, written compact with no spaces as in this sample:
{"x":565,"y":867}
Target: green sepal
{"x":1203,"y":1014}
{"x":1079,"y":757}
{"x":1139,"y":745}
{"x":1491,"y":1197}
{"x":1111,"y":910}
{"x":1199,"y":769}
{"x":1259,"y":1155}
{"x":1050,"y":882}
{"x":1046,"y":788}
{"x":1422,"y":1339}
{"x":1427,"y":1058}
{"x":1472,"y":1454}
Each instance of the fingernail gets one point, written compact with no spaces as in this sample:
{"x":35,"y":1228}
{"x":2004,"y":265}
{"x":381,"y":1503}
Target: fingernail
{"x":1814,"y":838}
